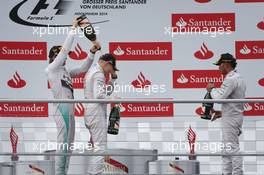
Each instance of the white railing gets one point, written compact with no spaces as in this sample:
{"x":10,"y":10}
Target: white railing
{"x":139,"y":100}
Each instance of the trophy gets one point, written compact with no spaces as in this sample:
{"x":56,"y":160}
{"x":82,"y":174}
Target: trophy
{"x":14,"y":140}
{"x":191,"y":138}
{"x":207,"y":108}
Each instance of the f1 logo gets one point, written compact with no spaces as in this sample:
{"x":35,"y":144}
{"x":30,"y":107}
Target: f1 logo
{"x":42,"y":5}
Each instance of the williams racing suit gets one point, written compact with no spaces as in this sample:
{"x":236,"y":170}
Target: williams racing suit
{"x":95,"y":115}
{"x":61,"y":86}
{"x":233,"y":87}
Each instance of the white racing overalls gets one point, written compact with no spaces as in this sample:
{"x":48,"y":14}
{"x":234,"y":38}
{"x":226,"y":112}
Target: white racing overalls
{"x":96,"y":115}
{"x":61,"y":86}
{"x":233,"y":87}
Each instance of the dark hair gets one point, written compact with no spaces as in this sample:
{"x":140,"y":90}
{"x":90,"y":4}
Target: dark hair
{"x":233,"y":64}
{"x":54,"y":51}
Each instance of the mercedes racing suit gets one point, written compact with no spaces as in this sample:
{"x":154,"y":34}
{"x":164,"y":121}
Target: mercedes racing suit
{"x":95,"y":115}
{"x":233,"y":87}
{"x":61,"y":86}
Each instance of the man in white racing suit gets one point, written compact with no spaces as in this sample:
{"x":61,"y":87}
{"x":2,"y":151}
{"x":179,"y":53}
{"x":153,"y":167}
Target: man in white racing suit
{"x":233,"y":87}
{"x":59,"y":79}
{"x":95,"y":113}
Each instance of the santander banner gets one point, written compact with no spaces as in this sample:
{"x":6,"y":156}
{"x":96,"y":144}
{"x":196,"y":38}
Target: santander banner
{"x":195,"y":22}
{"x":196,"y":78}
{"x":146,"y":109}
{"x":23,"y":109}
{"x":250,"y":49}
{"x":248,"y":1}
{"x":254,"y":109}
{"x":23,"y":50}
{"x":77,"y":82}
{"x":141,"y":50}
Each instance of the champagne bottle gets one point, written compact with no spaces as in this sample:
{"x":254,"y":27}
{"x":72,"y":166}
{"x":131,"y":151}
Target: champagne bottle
{"x":114,"y":120}
{"x":208,"y":107}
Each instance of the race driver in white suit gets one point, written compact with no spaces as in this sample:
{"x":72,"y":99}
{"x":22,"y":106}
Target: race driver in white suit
{"x":61,"y":86}
{"x":95,"y":113}
{"x":233,"y":87}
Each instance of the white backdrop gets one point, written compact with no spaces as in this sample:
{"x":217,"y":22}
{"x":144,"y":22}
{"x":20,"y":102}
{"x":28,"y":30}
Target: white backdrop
{"x":124,"y":28}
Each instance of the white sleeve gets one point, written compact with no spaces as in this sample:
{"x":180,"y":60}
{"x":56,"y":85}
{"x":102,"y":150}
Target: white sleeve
{"x":225,"y":90}
{"x":100,"y":89}
{"x":84,"y":67}
{"x":62,"y":56}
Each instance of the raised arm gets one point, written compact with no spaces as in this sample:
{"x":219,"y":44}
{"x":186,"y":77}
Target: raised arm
{"x":86,"y":64}
{"x":62,"y":56}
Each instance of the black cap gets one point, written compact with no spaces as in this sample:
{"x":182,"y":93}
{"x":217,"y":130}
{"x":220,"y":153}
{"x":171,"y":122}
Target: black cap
{"x":109,"y":58}
{"x":226,"y":58}
{"x":53,"y":51}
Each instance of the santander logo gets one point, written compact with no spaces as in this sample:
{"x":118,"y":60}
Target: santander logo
{"x":16,"y":81}
{"x":245,"y":50}
{"x":146,"y":109}
{"x":204,"y":53}
{"x":250,"y":49}
{"x":182,"y":79}
{"x":141,"y":50}
{"x":202,"y":1}
{"x":254,"y":109}
{"x":196,"y":78}
{"x":260,"y":25}
{"x":23,"y":109}
{"x":181,"y":22}
{"x":78,"y":53}
{"x":119,"y":51}
{"x":79,"y":110}
{"x":141,"y":81}
{"x":261,"y":82}
{"x":247,"y":107}
{"x":199,"y":111}
{"x":195,"y":22}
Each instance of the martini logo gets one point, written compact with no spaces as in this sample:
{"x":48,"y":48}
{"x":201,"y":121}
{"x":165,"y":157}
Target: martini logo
{"x":146,"y":109}
{"x":254,"y":109}
{"x":79,"y":110}
{"x":248,"y":1}
{"x":23,"y":109}
{"x":78,"y":53}
{"x":250,"y":49}
{"x":204,"y":53}
{"x":16,"y":82}
{"x":23,"y":50}
{"x":202,"y":1}
{"x":224,"y":22}
{"x":260,"y":25}
{"x":175,"y":168}
{"x":261,"y":82}
{"x":141,"y":81}
{"x":196,"y":78}
{"x":141,"y":50}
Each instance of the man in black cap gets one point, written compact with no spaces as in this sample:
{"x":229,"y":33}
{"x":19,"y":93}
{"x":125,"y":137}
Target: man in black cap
{"x":233,"y":87}
{"x":95,"y":116}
